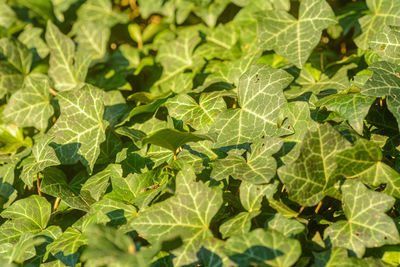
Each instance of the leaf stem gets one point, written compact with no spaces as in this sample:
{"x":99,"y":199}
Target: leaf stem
{"x":56,"y":203}
{"x":115,"y":133}
{"x":38,"y":185}
{"x":300,"y":211}
{"x":52,"y":92}
{"x":318,"y":207}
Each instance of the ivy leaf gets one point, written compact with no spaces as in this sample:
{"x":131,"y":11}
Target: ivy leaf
{"x":31,"y":38}
{"x":250,"y":196}
{"x":54,"y":183}
{"x":21,"y":251}
{"x":99,"y":12}
{"x":385,"y":81}
{"x":260,"y":97}
{"x":259,"y":168}
{"x":108,"y":246}
{"x":367,"y":224}
{"x":339,"y":257}
{"x":172,"y":139}
{"x":65,"y":247}
{"x":176,"y":56}
{"x":352,"y":107}
{"x":29,"y":214}
{"x":294,"y":38}
{"x":198,"y":115}
{"x":386,"y":44}
{"x":383,"y":12}
{"x":92,"y":40}
{"x":17,"y":54}
{"x":44,"y":156}
{"x":7,"y":15}
{"x":263,"y":247}
{"x":287,"y":227}
{"x":364,"y":160}
{"x":312,"y":175}
{"x":67,"y":69}
{"x":97,"y":184}
{"x":80,"y":129}
{"x":187,"y":214}
{"x":298,"y":116}
{"x":30,"y":106}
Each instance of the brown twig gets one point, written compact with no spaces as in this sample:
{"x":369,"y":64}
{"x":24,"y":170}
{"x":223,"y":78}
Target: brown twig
{"x":38,"y":185}
{"x":318,"y":207}
{"x":300,"y":211}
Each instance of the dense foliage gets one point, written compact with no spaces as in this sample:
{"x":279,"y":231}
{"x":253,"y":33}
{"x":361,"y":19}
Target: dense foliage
{"x":199,"y":132}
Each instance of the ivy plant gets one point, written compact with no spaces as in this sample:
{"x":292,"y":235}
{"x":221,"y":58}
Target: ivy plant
{"x":199,"y":133}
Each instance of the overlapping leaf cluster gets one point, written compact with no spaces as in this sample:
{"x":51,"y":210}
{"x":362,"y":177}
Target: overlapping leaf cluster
{"x":199,"y":133}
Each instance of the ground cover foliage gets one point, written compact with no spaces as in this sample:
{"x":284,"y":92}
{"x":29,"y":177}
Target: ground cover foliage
{"x":199,"y":133}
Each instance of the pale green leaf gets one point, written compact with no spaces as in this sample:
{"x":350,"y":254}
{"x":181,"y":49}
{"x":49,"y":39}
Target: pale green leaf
{"x":187,"y":214}
{"x":260,"y":98}
{"x":30,"y":106}
{"x":364,"y":160}
{"x":367,"y":224}
{"x":287,"y":227}
{"x":44,"y":156}
{"x":67,"y":69}
{"x":199,"y":115}
{"x":30,"y":214}
{"x":259,"y":168}
{"x":294,"y":38}
{"x":80,"y":129}
{"x":383,"y":12}
{"x":386,"y":44}
{"x":31,"y":37}
{"x":312,"y":175}
{"x":7,"y":15}
{"x":262,"y":247}
{"x":54,"y":183}
{"x":17,"y":54}
{"x":352,"y":107}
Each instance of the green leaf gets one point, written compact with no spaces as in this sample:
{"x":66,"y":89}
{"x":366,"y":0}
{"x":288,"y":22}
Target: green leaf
{"x":54,"y":183}
{"x":31,"y":38}
{"x":108,"y":246}
{"x":294,"y":38}
{"x":312,"y":176}
{"x":260,"y":97}
{"x":176,"y":56}
{"x":97,"y":184}
{"x":187,"y":214}
{"x":352,"y":107}
{"x":298,"y":116}
{"x":385,"y":82}
{"x":259,"y":168}
{"x":172,"y":139}
{"x":338,"y":257}
{"x":30,"y":214}
{"x":199,"y":115}
{"x":386,"y":44}
{"x":30,"y":106}
{"x":80,"y":129}
{"x":364,"y":160}
{"x":287,"y":227}
{"x":367,"y":224}
{"x":17,"y":54}
{"x":263,"y":248}
{"x":23,"y":250}
{"x":383,"y":12}
{"x":92,"y":39}
{"x":67,"y":69}
{"x":44,"y":156}
{"x":7,"y":15}
{"x":65,"y":247}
